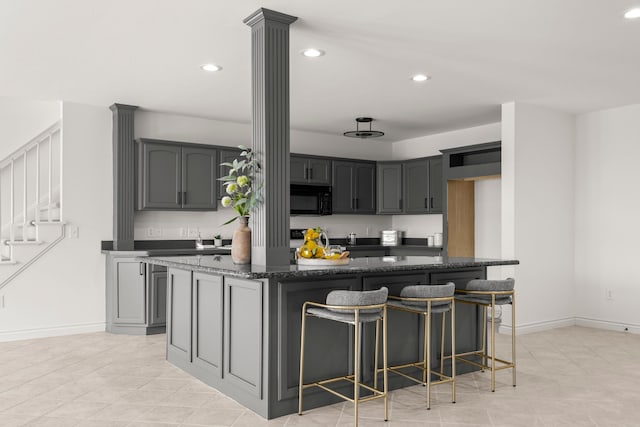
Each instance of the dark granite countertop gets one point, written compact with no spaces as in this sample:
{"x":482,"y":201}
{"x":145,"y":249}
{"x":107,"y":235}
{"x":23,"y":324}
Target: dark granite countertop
{"x":222,"y":264}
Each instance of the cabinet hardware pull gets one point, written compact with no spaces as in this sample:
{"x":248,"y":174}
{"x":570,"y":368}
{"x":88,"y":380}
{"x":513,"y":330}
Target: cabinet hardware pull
{"x":357,"y":203}
{"x":431,"y":202}
{"x":179,"y":197}
{"x":142,"y":268}
{"x":184,"y":197}
{"x":426,"y":203}
{"x":399,"y":203}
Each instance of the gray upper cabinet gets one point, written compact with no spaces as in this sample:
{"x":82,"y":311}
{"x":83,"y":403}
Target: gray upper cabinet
{"x":435,"y":184}
{"x":176,"y":176}
{"x":354,"y":187}
{"x":310,"y":170}
{"x":225,"y":156}
{"x":410,"y":186}
{"x":416,"y":186}
{"x":390,"y":188}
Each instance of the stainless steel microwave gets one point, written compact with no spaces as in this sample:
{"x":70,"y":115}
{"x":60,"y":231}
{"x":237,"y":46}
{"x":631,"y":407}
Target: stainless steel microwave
{"x":310,"y":199}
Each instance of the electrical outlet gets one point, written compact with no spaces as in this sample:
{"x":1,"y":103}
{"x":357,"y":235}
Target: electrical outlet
{"x":150,"y":232}
{"x":74,"y":232}
{"x":183,"y":232}
{"x":2,"y":302}
{"x":157,"y":232}
{"x":609,"y":295}
{"x":368,"y":232}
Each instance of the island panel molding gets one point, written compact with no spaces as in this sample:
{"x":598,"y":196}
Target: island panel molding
{"x":270,"y":133}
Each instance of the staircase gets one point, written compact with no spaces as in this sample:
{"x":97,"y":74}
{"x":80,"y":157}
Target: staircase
{"x":30,"y":203}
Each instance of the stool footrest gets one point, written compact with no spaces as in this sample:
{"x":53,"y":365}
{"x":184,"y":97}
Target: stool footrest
{"x":321,"y":384}
{"x":418,"y":365}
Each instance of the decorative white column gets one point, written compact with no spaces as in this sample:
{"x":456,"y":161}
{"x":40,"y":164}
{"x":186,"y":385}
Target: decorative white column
{"x":270,"y":136}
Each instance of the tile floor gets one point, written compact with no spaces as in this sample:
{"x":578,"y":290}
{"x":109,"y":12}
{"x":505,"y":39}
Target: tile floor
{"x":566,"y":377}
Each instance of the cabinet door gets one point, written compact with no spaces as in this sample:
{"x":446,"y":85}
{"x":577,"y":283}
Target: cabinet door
{"x":342,"y":190}
{"x":365,"y":191}
{"x":390,"y":188}
{"x":208,"y":321}
{"x":199,"y":178}
{"x":158,"y":298}
{"x":298,"y":172}
{"x":159,"y":176}
{"x":225,"y":156}
{"x":435,"y":185}
{"x":179,"y":298}
{"x":416,"y":186}
{"x":129,"y":305}
{"x":319,"y":171}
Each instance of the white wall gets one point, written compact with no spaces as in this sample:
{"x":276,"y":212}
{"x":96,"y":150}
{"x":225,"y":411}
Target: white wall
{"x":607,"y":233}
{"x":21,"y":120}
{"x":423,"y":225}
{"x":63,"y":292}
{"x":538,"y":214}
{"x":205,"y":131}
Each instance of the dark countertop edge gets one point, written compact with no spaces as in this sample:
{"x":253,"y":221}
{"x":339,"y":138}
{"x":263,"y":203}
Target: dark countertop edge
{"x":170,"y":252}
{"x":324,"y":271}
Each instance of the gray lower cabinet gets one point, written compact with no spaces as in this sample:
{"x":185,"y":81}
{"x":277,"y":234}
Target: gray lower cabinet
{"x":354,"y":187}
{"x":175,"y":176}
{"x":135,"y":296}
{"x":310,"y":170}
{"x":215,"y":331}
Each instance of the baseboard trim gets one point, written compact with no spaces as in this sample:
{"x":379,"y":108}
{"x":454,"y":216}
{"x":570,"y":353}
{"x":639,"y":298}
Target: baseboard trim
{"x":608,"y":325}
{"x":73,"y":329}
{"x":545,"y":325}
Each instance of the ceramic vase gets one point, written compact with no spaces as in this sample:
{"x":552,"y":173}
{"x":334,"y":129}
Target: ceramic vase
{"x":241,"y":243}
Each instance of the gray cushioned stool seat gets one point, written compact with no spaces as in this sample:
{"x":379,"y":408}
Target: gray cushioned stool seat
{"x":352,"y":298}
{"x":486,"y":286}
{"x":426,"y":291}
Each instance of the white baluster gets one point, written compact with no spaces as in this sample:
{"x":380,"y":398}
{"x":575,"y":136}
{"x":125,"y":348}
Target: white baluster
{"x":11,"y":208}
{"x":50,"y":177}
{"x":37,"y":205}
{"x":24,"y":196}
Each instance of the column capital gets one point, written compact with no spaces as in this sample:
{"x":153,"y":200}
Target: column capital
{"x":263,"y":14}
{"x":115,"y":107}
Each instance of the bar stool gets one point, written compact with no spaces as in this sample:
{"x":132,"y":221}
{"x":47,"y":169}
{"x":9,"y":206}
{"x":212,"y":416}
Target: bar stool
{"x":488,"y":294}
{"x":426,"y":300}
{"x":353,"y":308}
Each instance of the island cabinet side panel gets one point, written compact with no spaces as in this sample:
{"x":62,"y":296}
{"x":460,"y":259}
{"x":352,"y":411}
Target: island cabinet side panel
{"x":328,"y":348}
{"x":243,"y":323}
{"x":179,"y":296}
{"x":208,"y":321}
{"x":404,"y":330}
{"x":468,"y":316}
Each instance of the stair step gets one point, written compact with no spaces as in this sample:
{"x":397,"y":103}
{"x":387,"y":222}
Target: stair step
{"x":23,"y":242}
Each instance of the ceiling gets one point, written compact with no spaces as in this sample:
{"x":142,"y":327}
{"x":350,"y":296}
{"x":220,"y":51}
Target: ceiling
{"x":570,"y":55}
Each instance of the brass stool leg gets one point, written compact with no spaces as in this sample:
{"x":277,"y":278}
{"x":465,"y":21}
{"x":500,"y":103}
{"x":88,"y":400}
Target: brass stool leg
{"x":427,"y":327}
{"x":375,"y":357}
{"x":302,"y":333}
{"x":356,"y":367}
{"x":385,"y":363}
{"x":513,"y":336}
{"x":483,"y":356}
{"x":493,"y":342}
{"x":453,"y":350}
{"x":424,"y":351}
{"x":444,"y":321}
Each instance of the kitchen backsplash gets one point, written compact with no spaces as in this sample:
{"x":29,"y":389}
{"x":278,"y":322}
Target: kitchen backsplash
{"x":163,"y":225}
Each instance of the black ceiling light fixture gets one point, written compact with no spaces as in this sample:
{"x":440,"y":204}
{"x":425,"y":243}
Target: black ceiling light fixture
{"x":363,"y":133}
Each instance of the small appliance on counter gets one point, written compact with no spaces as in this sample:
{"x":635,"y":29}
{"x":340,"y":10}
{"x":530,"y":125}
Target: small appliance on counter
{"x":391,"y":237}
{"x":351,"y":239}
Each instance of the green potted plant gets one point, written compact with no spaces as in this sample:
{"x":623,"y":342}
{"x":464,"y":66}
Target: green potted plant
{"x":217,"y":240}
{"x":243,"y":198}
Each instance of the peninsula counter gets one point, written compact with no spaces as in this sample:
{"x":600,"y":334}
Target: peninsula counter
{"x":237,"y":328}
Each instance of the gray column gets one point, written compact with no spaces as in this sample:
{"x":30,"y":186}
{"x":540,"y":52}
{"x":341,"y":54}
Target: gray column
{"x":270,"y":121}
{"x":123,"y":176}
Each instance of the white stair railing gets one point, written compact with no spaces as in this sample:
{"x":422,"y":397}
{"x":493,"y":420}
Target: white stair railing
{"x":31,"y":188}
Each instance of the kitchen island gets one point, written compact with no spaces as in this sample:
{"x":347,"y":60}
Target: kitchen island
{"x":237,"y":328}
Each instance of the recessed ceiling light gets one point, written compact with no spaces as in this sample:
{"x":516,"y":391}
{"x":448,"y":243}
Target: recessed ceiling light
{"x":420,"y":78}
{"x":211,"y":67}
{"x":312,"y":53}
{"x":633,"y":13}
